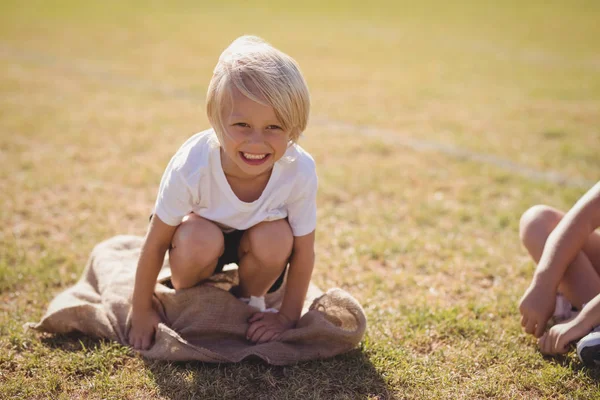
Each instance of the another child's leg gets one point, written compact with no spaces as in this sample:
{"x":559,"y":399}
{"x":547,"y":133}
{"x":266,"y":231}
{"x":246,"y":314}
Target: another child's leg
{"x":196,"y":247}
{"x":581,"y":281}
{"x":264,"y":252}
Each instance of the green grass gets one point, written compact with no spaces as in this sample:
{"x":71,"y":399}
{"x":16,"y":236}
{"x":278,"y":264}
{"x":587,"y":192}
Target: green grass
{"x":96,"y":96}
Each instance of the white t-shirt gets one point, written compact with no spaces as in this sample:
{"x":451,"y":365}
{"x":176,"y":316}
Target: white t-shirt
{"x":194,"y":181}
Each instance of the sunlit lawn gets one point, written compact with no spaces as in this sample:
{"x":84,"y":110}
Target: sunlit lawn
{"x":95,"y":98}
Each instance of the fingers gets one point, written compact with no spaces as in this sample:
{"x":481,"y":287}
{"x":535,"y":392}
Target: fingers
{"x":255,"y":331}
{"x":267,"y":336}
{"x":530,"y":326}
{"x":264,"y":334}
{"x":256,"y":317}
{"x":561,"y":345}
{"x":257,"y":323}
{"x":264,"y":330}
{"x":543,"y":344}
{"x":146,"y":341}
{"x":533,"y":327}
{"x":142,"y":341}
{"x":252,"y":329}
{"x":276,"y":336}
{"x":138,"y":343}
{"x":553,"y":342}
{"x":539,"y":331}
{"x":134,"y":341}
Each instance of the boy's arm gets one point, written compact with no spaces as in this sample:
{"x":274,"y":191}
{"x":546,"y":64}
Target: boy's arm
{"x":298,"y":279}
{"x":562,"y":246}
{"x":269,"y":326}
{"x":143,"y":317}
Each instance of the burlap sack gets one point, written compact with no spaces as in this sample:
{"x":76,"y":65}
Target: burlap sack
{"x":204,"y":323}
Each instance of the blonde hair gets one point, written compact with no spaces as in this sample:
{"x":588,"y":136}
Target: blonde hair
{"x":264,"y":75}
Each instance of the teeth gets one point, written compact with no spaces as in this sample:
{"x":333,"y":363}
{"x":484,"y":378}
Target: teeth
{"x":251,"y":156}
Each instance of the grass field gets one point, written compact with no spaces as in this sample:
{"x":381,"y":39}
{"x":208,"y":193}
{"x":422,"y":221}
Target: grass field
{"x":434,"y":126}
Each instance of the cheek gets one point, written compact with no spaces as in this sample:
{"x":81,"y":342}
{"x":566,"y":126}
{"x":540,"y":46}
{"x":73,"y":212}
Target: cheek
{"x":280,"y":142}
{"x":231,"y":139}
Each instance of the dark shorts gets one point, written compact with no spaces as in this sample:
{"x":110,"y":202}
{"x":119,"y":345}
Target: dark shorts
{"x":231,"y":255}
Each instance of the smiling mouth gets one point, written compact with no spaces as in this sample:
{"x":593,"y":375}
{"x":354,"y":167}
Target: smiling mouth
{"x":254,"y":159}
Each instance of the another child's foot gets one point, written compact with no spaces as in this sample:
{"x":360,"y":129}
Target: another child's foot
{"x":563,"y":310}
{"x":588,"y":348}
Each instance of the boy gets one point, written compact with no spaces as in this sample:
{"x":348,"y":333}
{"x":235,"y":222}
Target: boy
{"x":241,"y":192}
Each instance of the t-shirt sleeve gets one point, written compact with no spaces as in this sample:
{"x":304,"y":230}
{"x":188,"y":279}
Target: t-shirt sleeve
{"x":174,"y":200}
{"x":302,"y":211}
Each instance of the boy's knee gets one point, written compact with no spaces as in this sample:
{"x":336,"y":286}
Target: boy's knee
{"x":198,"y":237}
{"x":537,"y":222}
{"x":271,"y":242}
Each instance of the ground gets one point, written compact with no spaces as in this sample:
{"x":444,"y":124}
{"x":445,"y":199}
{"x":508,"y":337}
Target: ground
{"x":434,"y":125}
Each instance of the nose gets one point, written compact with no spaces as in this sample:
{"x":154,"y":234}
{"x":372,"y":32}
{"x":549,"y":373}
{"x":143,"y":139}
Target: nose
{"x":257,"y":135}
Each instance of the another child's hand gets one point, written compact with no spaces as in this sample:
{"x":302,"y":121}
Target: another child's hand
{"x":267,"y":326}
{"x":536,"y":307}
{"x":143,"y":327}
{"x":557,"y":339}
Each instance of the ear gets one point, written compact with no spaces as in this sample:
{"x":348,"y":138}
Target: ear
{"x":293,"y":133}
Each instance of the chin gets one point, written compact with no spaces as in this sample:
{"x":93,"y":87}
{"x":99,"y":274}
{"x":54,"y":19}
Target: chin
{"x":257,"y":170}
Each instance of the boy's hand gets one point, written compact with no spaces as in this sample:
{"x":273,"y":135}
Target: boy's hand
{"x":143,"y":328}
{"x":557,"y":339}
{"x":267,"y":326}
{"x":536,"y":307}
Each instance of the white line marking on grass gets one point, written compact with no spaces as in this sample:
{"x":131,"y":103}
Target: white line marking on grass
{"x":395,"y":138}
{"x":84,"y":67}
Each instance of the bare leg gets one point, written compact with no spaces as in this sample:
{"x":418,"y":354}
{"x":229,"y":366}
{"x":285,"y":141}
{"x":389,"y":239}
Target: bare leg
{"x":196,"y":248}
{"x":581,"y":281}
{"x":264,"y":252}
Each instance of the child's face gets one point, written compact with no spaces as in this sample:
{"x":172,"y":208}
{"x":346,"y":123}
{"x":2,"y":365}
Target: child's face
{"x":254,"y":139}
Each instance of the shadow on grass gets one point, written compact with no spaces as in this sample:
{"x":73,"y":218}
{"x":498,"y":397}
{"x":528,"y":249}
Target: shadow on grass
{"x":576,"y":366}
{"x":351,"y":375}
{"x":347,"y":376}
{"x":591,"y":372}
{"x":71,"y":342}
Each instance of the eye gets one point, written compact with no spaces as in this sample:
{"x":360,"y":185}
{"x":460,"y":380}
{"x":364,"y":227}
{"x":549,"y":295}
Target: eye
{"x":275,"y":127}
{"x":241,"y":124}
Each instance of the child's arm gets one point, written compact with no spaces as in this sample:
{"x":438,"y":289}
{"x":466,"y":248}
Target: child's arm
{"x":561,"y":248}
{"x":298,"y":280}
{"x":557,"y":339}
{"x":144,"y":318}
{"x":269,"y":326}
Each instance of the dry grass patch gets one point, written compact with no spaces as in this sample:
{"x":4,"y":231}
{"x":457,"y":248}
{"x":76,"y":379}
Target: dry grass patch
{"x":95,"y":99}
